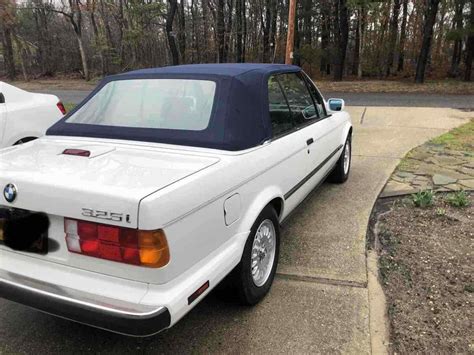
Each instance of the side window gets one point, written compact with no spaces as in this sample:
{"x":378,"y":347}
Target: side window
{"x":318,"y":100}
{"x":299,"y":99}
{"x":280,"y":114}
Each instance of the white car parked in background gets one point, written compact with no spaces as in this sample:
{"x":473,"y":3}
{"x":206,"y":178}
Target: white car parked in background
{"x":25,"y":116}
{"x":158,"y":186}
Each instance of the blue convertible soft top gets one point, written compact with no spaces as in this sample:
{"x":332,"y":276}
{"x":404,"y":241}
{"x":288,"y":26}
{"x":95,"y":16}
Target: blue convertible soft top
{"x":240,"y":116}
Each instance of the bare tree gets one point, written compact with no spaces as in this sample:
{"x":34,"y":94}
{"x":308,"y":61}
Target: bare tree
{"x":457,"y":29}
{"x":342,"y":37}
{"x":393,"y":35}
{"x":470,"y":45}
{"x":220,"y":32}
{"x":430,"y":18}
{"x":172,"y":8}
{"x":403,"y":36}
{"x":7,"y":17}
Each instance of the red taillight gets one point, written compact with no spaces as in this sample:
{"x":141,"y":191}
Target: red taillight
{"x":125,"y":245}
{"x":61,"y":107}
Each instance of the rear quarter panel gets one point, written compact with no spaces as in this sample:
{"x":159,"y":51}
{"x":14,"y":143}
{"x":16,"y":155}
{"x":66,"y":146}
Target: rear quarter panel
{"x":191,"y":211}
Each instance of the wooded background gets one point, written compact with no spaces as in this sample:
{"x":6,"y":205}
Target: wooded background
{"x":334,"y":38}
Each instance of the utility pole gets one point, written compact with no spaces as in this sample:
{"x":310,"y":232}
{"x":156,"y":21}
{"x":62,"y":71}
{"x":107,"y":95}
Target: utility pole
{"x":290,"y":41}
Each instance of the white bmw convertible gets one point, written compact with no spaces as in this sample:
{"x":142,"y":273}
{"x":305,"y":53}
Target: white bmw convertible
{"x":160,"y":185}
{"x":24,"y":115}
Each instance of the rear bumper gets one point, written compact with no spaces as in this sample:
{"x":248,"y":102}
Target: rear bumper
{"x":101,"y":312}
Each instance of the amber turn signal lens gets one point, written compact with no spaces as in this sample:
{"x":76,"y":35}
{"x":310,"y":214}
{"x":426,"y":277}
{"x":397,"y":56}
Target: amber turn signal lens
{"x":154,"y":250}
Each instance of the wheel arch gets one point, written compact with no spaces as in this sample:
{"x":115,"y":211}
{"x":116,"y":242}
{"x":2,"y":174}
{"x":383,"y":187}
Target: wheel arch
{"x":273,"y":196}
{"x":347,"y":132}
{"x":277,"y":204}
{"x":25,"y":140}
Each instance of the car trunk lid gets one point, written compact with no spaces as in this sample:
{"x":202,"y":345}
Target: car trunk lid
{"x":104,"y":187}
{"x":111,"y":178}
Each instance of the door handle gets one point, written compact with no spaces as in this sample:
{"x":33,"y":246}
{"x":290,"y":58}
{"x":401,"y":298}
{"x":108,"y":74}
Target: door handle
{"x":310,"y":141}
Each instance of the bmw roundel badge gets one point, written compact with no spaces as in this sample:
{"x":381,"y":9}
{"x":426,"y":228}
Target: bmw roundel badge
{"x":10,"y":192}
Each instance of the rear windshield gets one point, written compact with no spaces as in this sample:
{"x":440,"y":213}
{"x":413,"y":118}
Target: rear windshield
{"x":177,"y":104}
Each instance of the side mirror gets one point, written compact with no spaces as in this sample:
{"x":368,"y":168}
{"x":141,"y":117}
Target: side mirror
{"x":336,"y":104}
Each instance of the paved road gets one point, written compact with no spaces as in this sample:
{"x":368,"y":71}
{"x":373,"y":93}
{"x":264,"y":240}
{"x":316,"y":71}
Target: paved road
{"x":358,"y":99}
{"x":319,"y":302}
{"x":406,"y":100}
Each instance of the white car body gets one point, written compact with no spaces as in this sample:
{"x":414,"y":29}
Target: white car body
{"x":206,"y":200}
{"x":24,"y":115}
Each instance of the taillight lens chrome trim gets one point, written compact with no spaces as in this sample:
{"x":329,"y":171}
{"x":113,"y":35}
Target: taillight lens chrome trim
{"x":125,"y":245}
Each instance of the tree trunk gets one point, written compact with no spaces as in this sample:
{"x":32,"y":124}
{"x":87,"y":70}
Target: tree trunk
{"x":43,"y":39}
{"x":22,"y":57}
{"x":307,"y":25}
{"x":220,"y":29}
{"x":298,"y":32}
{"x":403,"y":36}
{"x":82,"y":51}
{"x":8,"y":52}
{"x":228,"y":28}
{"x":244,"y":41}
{"x":440,"y":34}
{"x":357,"y":44}
{"x":205,"y":39}
{"x":393,"y":36}
{"x":325,"y":66}
{"x":470,"y":46}
{"x":457,"y":48}
{"x":99,"y":46}
{"x":173,"y":6}
{"x":342,"y":37}
{"x":430,"y":19}
{"x":105,"y":20}
{"x":239,"y":29}
{"x":273,"y":29}
{"x":197,"y":48}
{"x":266,"y":24}
{"x":182,"y":32}
{"x":380,"y":49}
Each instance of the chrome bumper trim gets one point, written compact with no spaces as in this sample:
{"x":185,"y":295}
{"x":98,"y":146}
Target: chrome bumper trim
{"x":97,"y":311}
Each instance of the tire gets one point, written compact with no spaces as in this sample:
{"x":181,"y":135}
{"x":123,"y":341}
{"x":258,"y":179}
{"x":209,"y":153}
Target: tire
{"x":252,"y":290}
{"x":340,"y":174}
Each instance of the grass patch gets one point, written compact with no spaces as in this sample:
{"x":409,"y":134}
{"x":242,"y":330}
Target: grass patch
{"x":423,"y":198}
{"x":407,"y":164}
{"x":460,"y":138}
{"x":458,"y":199}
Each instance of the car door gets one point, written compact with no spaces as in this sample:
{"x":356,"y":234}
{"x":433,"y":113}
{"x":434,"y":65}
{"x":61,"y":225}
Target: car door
{"x":3,"y":115}
{"x":327,"y":131}
{"x":312,"y":124}
{"x":289,"y":144}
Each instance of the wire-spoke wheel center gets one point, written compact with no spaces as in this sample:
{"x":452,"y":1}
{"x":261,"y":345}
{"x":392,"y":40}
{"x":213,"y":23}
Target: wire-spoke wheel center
{"x":263,"y":253}
{"x":347,"y":157}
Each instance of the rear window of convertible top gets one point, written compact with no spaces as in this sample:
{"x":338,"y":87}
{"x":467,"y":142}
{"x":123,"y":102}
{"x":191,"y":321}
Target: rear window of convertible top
{"x":178,"y":104}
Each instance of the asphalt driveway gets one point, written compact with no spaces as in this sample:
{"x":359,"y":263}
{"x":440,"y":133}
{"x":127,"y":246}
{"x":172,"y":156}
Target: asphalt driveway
{"x":352,"y":99}
{"x":319,"y":302}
